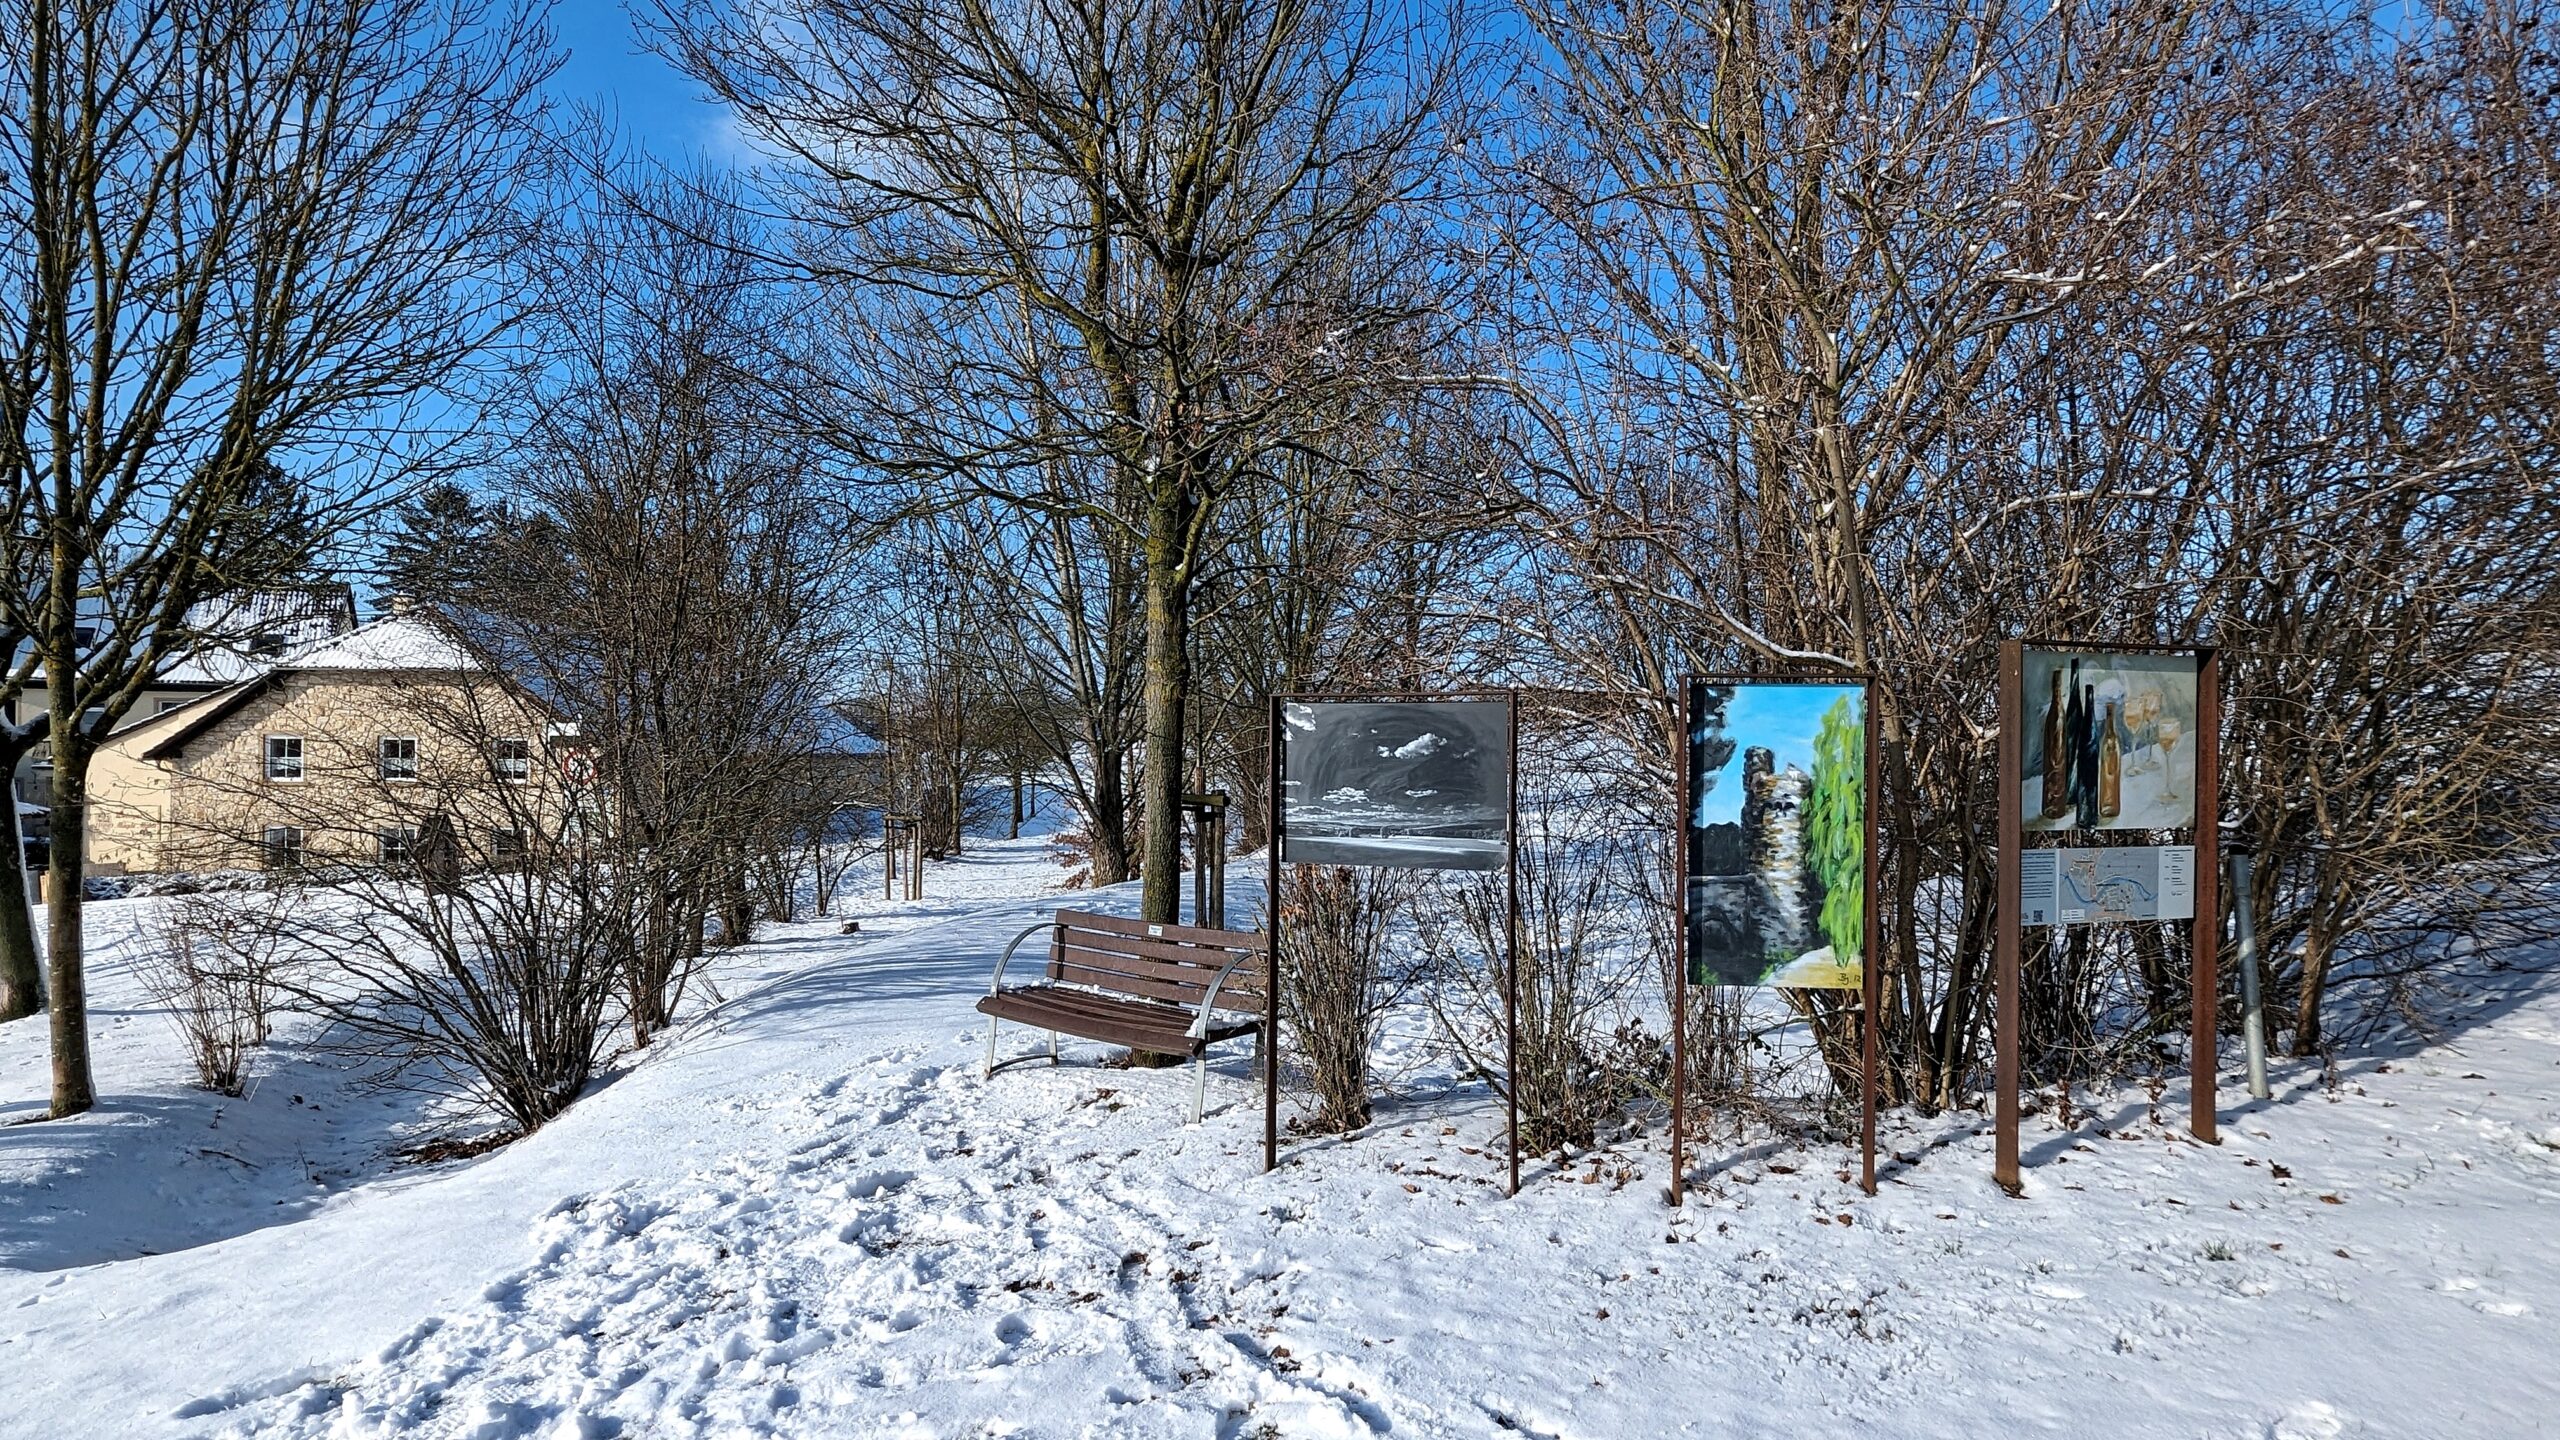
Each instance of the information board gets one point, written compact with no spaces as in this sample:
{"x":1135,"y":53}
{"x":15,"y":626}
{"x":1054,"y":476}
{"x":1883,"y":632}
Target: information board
{"x":2107,"y":885}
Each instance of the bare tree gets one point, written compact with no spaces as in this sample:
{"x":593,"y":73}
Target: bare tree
{"x":676,"y":578}
{"x":1099,"y":234}
{"x":246,"y":240}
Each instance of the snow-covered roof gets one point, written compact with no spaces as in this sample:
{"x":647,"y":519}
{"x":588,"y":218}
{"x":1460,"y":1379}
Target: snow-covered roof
{"x":399,"y":642}
{"x":394,"y":642}
{"x":245,"y":633}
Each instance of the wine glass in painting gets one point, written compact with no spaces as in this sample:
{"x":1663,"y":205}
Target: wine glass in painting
{"x":2141,"y":718}
{"x":2168,"y":730}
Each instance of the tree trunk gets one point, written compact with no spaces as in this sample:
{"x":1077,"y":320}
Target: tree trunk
{"x":1015,"y":833}
{"x":1168,"y":688}
{"x":1110,"y":819}
{"x":2319,"y":947}
{"x":74,"y":1090}
{"x":21,"y":970}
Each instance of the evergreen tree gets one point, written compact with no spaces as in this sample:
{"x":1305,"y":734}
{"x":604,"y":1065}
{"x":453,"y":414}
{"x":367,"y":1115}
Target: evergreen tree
{"x":438,"y":546}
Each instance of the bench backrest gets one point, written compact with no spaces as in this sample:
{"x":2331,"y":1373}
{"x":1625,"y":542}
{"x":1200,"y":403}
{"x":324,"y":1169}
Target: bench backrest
{"x":1173,"y":963}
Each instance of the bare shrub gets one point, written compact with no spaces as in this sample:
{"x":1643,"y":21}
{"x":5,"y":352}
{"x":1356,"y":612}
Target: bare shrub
{"x":500,"y":991}
{"x":216,"y":968}
{"x":488,"y":965}
{"x":1336,"y":988}
{"x":1579,"y":1055}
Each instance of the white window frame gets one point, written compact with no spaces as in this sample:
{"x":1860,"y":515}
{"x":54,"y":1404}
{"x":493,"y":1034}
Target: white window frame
{"x":275,"y":760}
{"x":382,"y":754}
{"x":506,"y":842}
{"x":282,"y":847}
{"x":517,"y":768}
{"x":168,"y":705}
{"x":405,"y":844}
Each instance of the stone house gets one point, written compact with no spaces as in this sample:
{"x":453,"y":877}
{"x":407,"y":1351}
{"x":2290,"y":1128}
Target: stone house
{"x":389,"y":744}
{"x":235,"y":637}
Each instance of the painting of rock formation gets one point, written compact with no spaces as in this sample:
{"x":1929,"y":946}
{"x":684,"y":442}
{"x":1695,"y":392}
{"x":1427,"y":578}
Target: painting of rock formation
{"x":1776,"y":834}
{"x":1420,"y":785}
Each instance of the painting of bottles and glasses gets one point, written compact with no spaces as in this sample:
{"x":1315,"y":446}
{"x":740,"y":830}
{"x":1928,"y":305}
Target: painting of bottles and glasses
{"x":2109,"y":741}
{"x":1776,"y":834}
{"x":1418,"y":785}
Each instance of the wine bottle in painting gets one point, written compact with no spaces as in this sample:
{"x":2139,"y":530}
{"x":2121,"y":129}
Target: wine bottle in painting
{"x":2075,"y":723}
{"x":2110,"y":767}
{"x":2057,"y":763}
{"x":2088,"y":756}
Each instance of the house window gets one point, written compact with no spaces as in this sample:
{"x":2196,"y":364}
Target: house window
{"x":399,"y":844}
{"x":267,"y":646}
{"x":515,"y":759}
{"x":400,"y":757}
{"x":284,"y":757}
{"x":284,"y":847}
{"x":506,"y":844}
{"x":168,"y":705}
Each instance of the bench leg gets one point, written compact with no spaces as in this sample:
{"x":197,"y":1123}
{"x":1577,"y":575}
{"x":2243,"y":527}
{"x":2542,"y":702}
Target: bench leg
{"x":1199,"y":1084}
{"x":990,"y":1072}
{"x":1053,"y":1048}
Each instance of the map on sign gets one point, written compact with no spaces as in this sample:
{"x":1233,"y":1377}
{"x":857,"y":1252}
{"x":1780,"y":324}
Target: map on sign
{"x":2114,"y":883}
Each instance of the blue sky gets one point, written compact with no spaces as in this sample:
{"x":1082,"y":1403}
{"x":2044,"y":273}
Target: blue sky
{"x":648,"y":100}
{"x":1784,"y":718}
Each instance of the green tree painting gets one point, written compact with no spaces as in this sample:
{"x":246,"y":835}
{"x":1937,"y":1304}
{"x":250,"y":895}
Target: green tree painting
{"x":1835,"y":825}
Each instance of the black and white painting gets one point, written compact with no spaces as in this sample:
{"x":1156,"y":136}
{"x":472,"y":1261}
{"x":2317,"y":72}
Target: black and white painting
{"x":1419,"y":785}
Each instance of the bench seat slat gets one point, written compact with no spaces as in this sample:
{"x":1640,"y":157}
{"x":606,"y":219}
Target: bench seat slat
{"x":1138,"y":1024}
{"x":1161,"y":951}
{"x":1189,"y":974}
{"x":1140,"y":929}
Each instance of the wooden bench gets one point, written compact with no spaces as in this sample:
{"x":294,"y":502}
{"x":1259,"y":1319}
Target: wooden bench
{"x":1165,"y":989}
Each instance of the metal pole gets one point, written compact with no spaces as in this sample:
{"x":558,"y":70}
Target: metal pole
{"x":1511,"y":965}
{"x":1218,"y":868}
{"x":1271,"y":988}
{"x":2004,"y":1162}
{"x":1681,"y":720}
{"x":1870,"y":973}
{"x":2203,"y":1048}
{"x":2253,"y":1013}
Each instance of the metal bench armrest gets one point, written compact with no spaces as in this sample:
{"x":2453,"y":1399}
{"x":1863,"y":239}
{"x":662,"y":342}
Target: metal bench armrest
{"x":996,"y":986}
{"x":1209,"y":1001}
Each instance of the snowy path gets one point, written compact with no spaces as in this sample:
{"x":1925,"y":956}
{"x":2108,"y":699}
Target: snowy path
{"x":808,"y":1216}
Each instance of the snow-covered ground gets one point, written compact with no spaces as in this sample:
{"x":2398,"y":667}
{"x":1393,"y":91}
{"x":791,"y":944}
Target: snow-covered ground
{"x":806,"y":1214}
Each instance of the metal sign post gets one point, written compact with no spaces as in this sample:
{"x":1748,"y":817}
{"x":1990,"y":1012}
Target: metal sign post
{"x":1208,"y":858}
{"x":1686,"y":715}
{"x":2004,"y":964}
{"x":2163,"y":883}
{"x":1371,"y":853}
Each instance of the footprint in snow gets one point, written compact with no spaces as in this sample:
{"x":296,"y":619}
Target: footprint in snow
{"x":872,"y":1186}
{"x":2312,"y":1420}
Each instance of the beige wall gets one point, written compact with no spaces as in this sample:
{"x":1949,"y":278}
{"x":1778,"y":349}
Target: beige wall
{"x":209,"y":807}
